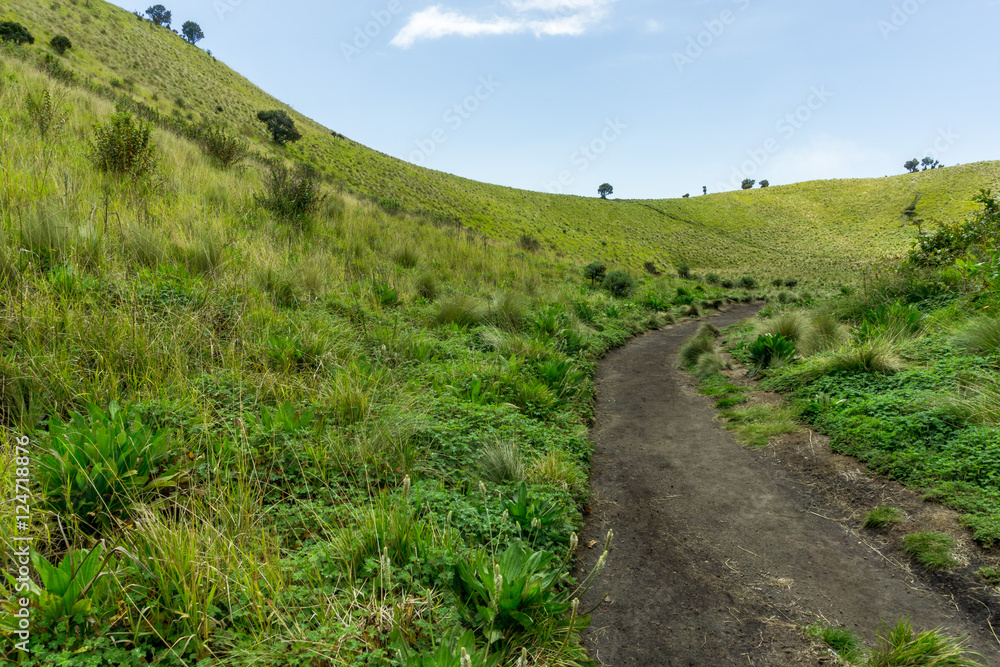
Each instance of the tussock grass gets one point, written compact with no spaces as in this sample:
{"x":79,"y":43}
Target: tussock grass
{"x":500,"y":462}
{"x":461,"y":310}
{"x":557,"y":469}
{"x":827,"y":333}
{"x":842,"y":641}
{"x":900,"y":646}
{"x":980,"y":336}
{"x":795,"y":326}
{"x":692,"y":350}
{"x":931,"y":549}
{"x":755,"y":425}
{"x":881,"y":517}
{"x":709,"y":364}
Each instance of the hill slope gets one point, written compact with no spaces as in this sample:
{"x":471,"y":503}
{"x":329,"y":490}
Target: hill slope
{"x":819,"y":229}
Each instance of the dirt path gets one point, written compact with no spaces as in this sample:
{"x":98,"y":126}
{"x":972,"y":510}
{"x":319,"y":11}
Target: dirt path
{"x":721,"y":554}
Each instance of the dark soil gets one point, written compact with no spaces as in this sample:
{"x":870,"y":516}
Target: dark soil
{"x":722,"y":555}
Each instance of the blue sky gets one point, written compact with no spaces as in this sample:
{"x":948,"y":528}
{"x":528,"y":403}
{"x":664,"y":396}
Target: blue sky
{"x":657,"y":98}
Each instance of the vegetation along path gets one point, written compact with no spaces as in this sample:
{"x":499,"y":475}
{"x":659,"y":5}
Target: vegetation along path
{"x":719,"y":556}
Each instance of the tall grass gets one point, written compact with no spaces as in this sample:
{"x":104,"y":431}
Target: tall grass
{"x":900,"y":646}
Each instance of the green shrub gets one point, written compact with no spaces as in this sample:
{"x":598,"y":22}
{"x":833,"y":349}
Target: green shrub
{"x":728,"y":284}
{"x":619,"y":283}
{"x":882,"y":516}
{"x":748,"y":283}
{"x":289,"y":195}
{"x":595,"y":272}
{"x":771,"y":350}
{"x":529,"y":243}
{"x":61,"y":44}
{"x":390,"y":205}
{"x":224,"y":149}
{"x":900,"y":647}
{"x":893,"y":321}
{"x":713,"y":279}
{"x":513,"y":594}
{"x":791,"y":283}
{"x":124,"y":146}
{"x":279,"y":125}
{"x":953,"y":240}
{"x":931,"y":549}
{"x":684,"y":271}
{"x":15,"y":32}
{"x":98,"y":466}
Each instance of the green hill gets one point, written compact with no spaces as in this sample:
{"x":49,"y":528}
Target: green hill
{"x":337,"y":436}
{"x":819,"y":229}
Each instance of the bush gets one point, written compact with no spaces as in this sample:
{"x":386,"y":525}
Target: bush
{"x":61,"y":44}
{"x":15,"y":32}
{"x":748,"y":282}
{"x":124,"y":146}
{"x":728,"y":284}
{"x":280,"y":125}
{"x":290,"y":195}
{"x":225,"y":149}
{"x":684,"y":271}
{"x":771,"y":350}
{"x":619,"y":283}
{"x":713,"y":279}
{"x":529,"y":243}
{"x":953,"y":240}
{"x":595,"y":272}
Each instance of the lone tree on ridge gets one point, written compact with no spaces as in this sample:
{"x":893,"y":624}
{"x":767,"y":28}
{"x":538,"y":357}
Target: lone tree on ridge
{"x":605,"y":190}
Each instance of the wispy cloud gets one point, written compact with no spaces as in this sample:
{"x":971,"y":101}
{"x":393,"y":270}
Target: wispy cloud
{"x":541,"y":17}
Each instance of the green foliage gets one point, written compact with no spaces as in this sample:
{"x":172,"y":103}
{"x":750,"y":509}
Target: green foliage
{"x":684,"y":271}
{"x":892,"y":321}
{"x":11,"y":31}
{"x":159,"y":15}
{"x":500,"y":462}
{"x":793,"y":326}
{"x":595,"y":272}
{"x":225,"y":149}
{"x":931,"y":549}
{"x":461,"y":310}
{"x":956,"y":239}
{"x":280,"y":125}
{"x":510,"y":595}
{"x":748,"y":283}
{"x":66,"y":593}
{"x":881,"y":517}
{"x":619,"y":283}
{"x":604,"y":190}
{"x":61,"y":44}
{"x":755,"y":425}
{"x":748,"y":183}
{"x":44,"y":114}
{"x":455,"y":649}
{"x":771,"y":350}
{"x":191,"y":31}
{"x":990,"y":575}
{"x":899,"y":646}
{"x":98,"y":466}
{"x":124,"y":146}
{"x":709,"y":364}
{"x":542,"y":522}
{"x":980,"y":336}
{"x":841,"y":641}
{"x":692,"y":350}
{"x":290,"y":195}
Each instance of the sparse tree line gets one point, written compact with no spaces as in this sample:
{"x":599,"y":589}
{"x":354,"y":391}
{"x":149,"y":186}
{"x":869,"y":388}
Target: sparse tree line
{"x":915,"y":165}
{"x":161,"y":16}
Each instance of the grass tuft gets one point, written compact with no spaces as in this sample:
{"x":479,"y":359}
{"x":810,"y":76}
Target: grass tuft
{"x":692,"y":350}
{"x":500,"y":462}
{"x":931,"y":549}
{"x":899,"y":646}
{"x":882,"y":516}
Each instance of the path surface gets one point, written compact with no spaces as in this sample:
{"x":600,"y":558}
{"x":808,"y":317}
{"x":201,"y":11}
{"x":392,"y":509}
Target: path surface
{"x":719,"y":555}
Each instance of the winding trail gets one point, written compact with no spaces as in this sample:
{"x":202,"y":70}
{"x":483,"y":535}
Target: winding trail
{"x":720,"y":554}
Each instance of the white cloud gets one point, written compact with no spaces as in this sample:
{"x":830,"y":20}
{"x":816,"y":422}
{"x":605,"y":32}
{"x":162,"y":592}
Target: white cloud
{"x":826,"y":157}
{"x":541,"y":17}
{"x":652,"y":25}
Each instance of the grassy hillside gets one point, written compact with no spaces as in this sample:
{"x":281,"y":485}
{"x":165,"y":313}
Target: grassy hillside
{"x":823,"y":229}
{"x":250,"y":438}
